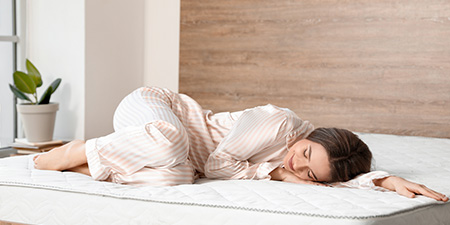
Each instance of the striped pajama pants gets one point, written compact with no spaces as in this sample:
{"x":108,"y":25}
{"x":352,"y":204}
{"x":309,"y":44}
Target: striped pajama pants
{"x":150,"y":145}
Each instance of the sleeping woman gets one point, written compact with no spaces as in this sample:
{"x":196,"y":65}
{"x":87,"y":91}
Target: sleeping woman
{"x":165,"y":138}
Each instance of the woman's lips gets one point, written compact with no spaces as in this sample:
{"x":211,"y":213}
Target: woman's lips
{"x":290,"y":163}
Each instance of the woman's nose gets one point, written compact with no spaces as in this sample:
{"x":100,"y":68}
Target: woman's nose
{"x":299,"y":164}
{"x":299,"y":168}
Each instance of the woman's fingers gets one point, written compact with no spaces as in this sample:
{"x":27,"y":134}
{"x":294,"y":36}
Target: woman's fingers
{"x":405,"y":192}
{"x":411,"y":190}
{"x":300,"y":181}
{"x":318,"y":184}
{"x":423,"y":190}
{"x":431,"y":193}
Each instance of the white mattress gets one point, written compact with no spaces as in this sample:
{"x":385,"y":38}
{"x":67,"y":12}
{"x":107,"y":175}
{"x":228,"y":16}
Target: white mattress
{"x":49,"y":197}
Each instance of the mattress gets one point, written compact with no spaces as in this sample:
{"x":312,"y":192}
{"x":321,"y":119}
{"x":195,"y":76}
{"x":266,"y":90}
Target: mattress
{"x":51,"y":197}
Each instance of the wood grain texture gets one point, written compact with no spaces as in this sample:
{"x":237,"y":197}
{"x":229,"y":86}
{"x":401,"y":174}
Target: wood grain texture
{"x":368,"y":66}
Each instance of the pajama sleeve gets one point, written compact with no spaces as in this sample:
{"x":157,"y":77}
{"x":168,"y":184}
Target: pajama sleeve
{"x":364,"y":181}
{"x":254,"y":132}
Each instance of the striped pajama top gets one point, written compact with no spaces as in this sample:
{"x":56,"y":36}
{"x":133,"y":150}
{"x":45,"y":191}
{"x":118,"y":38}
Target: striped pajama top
{"x":166,"y":138}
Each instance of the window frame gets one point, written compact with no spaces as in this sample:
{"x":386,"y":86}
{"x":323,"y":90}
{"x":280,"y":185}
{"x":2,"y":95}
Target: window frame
{"x":18,"y":40}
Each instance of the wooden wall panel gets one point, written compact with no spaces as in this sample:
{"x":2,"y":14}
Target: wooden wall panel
{"x":369,"y":66}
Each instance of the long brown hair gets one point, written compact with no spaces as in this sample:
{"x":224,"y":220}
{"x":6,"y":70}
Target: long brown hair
{"x":349,"y":156}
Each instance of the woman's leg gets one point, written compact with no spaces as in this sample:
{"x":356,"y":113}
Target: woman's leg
{"x":84,"y":169}
{"x":147,"y":131}
{"x":182,"y":173}
{"x":61,"y":158}
{"x":148,"y":137}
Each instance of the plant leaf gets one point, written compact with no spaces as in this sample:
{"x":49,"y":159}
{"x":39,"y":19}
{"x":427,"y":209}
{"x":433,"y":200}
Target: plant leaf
{"x":24,"y":82}
{"x":45,"y":99}
{"x":34,"y":73}
{"x":18,"y":93}
{"x":55,"y":84}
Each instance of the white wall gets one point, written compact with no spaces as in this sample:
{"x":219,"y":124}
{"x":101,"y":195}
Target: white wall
{"x":102,"y":50}
{"x":55,"y":44}
{"x":114,"y":59}
{"x":162,"y":32}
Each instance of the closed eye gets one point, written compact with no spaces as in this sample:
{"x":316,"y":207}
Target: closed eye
{"x":310,"y":172}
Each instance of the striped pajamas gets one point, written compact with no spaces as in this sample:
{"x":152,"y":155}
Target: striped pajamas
{"x":149,"y":145}
{"x":165,"y":138}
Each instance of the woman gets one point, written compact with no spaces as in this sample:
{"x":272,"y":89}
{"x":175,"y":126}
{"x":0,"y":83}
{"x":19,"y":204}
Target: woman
{"x":165,"y":138}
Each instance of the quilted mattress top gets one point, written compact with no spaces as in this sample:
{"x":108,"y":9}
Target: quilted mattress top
{"x":423,"y":160}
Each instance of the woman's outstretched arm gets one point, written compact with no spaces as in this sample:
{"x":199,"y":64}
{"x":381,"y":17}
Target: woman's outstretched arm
{"x":381,"y":180}
{"x":392,"y":183}
{"x":408,"y":188}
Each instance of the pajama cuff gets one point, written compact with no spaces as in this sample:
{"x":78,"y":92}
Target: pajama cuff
{"x":97,"y":170}
{"x":365,"y":181}
{"x":265,"y":169}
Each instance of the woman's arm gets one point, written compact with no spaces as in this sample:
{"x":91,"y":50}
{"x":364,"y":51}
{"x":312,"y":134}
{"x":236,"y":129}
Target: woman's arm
{"x":392,"y":183}
{"x":381,"y":180}
{"x":408,"y":188}
{"x":364,"y":181}
{"x":256,"y":130}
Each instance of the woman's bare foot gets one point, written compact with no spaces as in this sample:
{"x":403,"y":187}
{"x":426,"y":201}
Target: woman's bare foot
{"x":61,"y":158}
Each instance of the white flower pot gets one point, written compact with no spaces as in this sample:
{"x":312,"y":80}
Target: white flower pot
{"x":38,"y":121}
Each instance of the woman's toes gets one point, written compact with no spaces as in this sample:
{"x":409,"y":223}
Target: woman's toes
{"x":36,"y":162}
{"x":44,"y":162}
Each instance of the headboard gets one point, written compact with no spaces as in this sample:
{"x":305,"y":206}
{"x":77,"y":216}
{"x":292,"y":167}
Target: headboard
{"x":368,"y":66}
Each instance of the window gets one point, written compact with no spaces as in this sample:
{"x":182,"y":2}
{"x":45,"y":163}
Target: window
{"x":10,"y":47}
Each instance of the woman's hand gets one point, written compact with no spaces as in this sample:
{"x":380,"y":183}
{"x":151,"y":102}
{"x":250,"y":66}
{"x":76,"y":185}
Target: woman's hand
{"x":282,"y":174}
{"x":408,"y":188}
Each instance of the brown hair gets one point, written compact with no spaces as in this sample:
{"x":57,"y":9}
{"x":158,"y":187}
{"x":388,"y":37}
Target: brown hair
{"x":349,"y":156}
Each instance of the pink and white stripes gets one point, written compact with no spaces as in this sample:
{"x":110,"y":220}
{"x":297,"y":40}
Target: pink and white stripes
{"x":165,"y":138}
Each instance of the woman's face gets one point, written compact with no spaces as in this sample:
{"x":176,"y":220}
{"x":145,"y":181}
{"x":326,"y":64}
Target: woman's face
{"x":309,"y":161}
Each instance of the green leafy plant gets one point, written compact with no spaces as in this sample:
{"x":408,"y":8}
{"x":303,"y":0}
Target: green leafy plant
{"x":26,"y":84}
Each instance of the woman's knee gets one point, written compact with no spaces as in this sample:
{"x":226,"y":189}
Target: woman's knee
{"x":173,"y":141}
{"x":141,"y":106}
{"x":132,"y":110}
{"x":126,"y":112}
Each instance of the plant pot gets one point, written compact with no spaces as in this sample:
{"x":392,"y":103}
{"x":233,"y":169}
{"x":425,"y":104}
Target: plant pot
{"x":38,"y":121}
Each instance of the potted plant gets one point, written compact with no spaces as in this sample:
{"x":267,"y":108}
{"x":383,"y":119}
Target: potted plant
{"x":39,"y":114}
